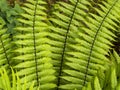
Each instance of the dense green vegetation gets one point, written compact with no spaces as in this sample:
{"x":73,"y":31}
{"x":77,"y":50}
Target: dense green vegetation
{"x":60,"y":45}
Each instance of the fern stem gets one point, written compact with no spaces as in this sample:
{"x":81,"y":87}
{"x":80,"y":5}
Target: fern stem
{"x":64,"y":46}
{"x":5,"y":52}
{"x":34,"y":39}
{"x":93,"y":42}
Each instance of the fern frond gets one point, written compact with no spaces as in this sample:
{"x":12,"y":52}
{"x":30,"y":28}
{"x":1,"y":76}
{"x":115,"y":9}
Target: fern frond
{"x":102,"y":29}
{"x":80,"y":39}
{"x":5,"y":48}
{"x":112,"y":77}
{"x":33,"y":60}
{"x":63,"y":34}
{"x":5,"y":82}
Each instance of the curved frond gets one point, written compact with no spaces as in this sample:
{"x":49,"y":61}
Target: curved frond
{"x":97,"y":38}
{"x":32,"y":59}
{"x":112,"y":77}
{"x":81,"y":39}
{"x":5,"y":48}
{"x":5,"y":82}
{"x":68,"y":51}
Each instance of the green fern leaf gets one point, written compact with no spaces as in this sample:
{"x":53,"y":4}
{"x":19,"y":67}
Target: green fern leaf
{"x":5,"y":48}
{"x":33,"y":61}
{"x":96,"y":84}
{"x":81,"y":39}
{"x":5,"y":82}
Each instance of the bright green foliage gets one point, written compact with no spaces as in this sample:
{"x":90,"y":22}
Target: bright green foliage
{"x":67,"y":51}
{"x":5,"y":48}
{"x":97,"y":84}
{"x":112,"y":83}
{"x":81,"y":39}
{"x":32,"y":51}
{"x":5,"y":82}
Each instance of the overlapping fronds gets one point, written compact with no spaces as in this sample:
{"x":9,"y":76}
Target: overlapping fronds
{"x":96,"y":39}
{"x":112,"y":77}
{"x":64,"y":52}
{"x":5,"y":82}
{"x":81,"y":39}
{"x":5,"y":47}
{"x":32,"y":52}
{"x":63,"y":34}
